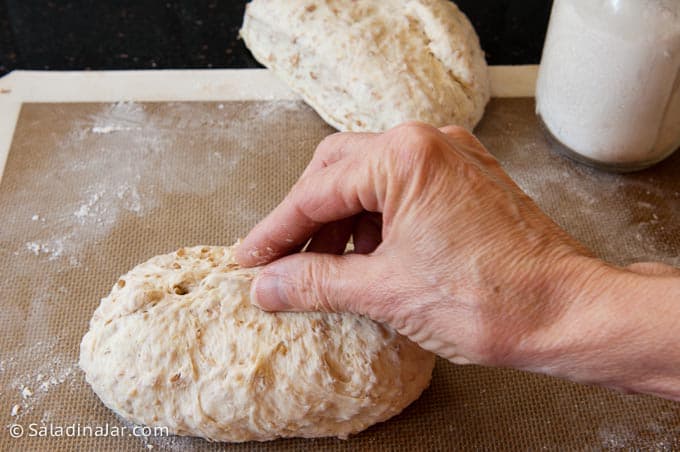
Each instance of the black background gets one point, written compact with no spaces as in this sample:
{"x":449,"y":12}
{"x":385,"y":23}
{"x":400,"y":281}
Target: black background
{"x":145,"y":34}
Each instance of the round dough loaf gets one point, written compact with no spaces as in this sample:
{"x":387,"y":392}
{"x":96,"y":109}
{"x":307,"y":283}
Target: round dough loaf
{"x":367,"y":65}
{"x":177,"y":343}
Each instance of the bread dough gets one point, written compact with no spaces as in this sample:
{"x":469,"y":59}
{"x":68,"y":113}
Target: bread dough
{"x":177,"y":343}
{"x":367,"y":65}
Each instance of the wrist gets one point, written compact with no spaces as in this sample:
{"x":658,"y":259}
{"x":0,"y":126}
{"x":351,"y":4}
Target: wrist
{"x":616,"y":329}
{"x":580,"y":291}
{"x":521,"y":326}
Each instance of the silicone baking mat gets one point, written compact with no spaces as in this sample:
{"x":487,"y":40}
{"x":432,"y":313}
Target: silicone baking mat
{"x":91,"y":189}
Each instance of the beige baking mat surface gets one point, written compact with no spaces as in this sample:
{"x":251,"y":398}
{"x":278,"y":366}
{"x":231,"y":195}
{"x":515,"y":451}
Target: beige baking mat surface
{"x":90,"y":190}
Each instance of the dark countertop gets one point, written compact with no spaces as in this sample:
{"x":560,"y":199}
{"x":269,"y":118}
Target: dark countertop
{"x":145,"y":34}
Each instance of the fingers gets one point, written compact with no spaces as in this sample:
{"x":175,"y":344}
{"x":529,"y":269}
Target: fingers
{"x":315,"y":282}
{"x":270,"y":240}
{"x":332,"y":237}
{"x":335,"y":147}
{"x":330,"y":194}
{"x":338,"y":184}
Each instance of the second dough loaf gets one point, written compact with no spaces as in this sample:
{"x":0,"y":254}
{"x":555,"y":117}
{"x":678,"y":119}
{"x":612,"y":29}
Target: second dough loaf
{"x":367,"y":65}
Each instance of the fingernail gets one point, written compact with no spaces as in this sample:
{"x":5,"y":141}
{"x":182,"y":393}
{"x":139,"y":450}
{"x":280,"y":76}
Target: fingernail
{"x":267,"y":292}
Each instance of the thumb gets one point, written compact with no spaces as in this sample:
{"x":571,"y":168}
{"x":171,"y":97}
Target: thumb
{"x":314,"y":282}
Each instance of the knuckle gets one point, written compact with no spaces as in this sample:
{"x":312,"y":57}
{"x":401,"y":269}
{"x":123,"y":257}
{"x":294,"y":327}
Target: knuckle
{"x":314,"y":285}
{"x":415,"y":131}
{"x":457,"y":131}
{"x":416,"y":143}
{"x":328,"y":142}
{"x":413,"y":124}
{"x":331,"y":144}
{"x":467,"y":142}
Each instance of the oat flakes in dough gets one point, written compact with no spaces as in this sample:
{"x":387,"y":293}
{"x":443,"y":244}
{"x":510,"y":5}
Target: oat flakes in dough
{"x":178,"y":343}
{"x":368,"y":65}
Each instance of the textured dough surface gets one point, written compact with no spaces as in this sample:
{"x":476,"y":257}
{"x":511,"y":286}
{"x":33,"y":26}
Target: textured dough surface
{"x":367,"y":65}
{"x":177,"y":343}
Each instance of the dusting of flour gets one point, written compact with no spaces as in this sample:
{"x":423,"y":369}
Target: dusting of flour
{"x":112,"y":167}
{"x":49,"y":369}
{"x":109,"y":167}
{"x":582,"y":200}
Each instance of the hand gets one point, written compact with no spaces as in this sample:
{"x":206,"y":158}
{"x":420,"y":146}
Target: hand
{"x":448,"y":250}
{"x":451,"y":253}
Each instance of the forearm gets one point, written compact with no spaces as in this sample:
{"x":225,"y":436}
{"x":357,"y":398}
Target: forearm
{"x":620,"y":329}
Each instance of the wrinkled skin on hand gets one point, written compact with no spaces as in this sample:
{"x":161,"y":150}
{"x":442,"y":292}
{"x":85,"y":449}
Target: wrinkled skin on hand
{"x":447,"y":249}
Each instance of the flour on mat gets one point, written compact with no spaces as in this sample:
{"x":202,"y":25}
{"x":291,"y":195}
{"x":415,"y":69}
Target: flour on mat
{"x":633,"y":233}
{"x":109,"y":168}
{"x":111,"y":128}
{"x":120,"y":117}
{"x":53,"y":249}
{"x":665,"y":432}
{"x":90,"y":207}
{"x":616,"y":437}
{"x":49,"y":369}
{"x":118,"y":156}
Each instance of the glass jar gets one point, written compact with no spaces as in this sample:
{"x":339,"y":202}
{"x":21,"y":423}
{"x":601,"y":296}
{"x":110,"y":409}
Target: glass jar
{"x":608,"y":89}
